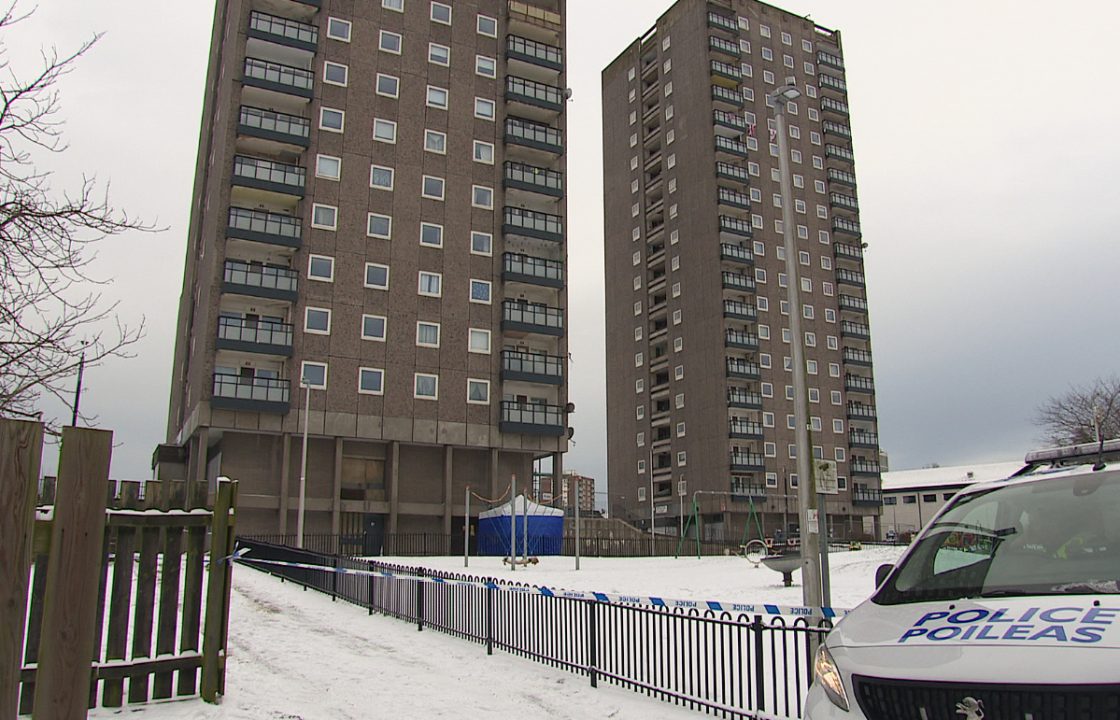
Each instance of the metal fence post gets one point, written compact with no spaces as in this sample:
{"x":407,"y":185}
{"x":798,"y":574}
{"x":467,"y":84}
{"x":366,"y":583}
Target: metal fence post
{"x":592,"y":643}
{"x":489,"y":621}
{"x":759,"y":671}
{"x":369,"y":585}
{"x":420,"y":601}
{"x":334,"y":578}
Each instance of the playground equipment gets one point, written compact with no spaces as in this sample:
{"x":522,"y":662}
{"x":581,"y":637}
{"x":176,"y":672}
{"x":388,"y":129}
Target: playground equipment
{"x":785,"y":564}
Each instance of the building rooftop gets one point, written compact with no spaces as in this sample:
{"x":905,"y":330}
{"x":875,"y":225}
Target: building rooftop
{"x":956,"y":476}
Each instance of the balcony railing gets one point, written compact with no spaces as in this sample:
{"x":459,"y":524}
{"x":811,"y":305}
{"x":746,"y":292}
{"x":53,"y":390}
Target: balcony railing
{"x":273,"y":125}
{"x":740,"y":310}
{"x":534,"y":93}
{"x":270,"y":281}
{"x":533,"y":270}
{"x":735,"y":226}
{"x":732,"y":147}
{"x":736,"y":253}
{"x":531,"y":51}
{"x":283,"y":31}
{"x":531,"y":317}
{"x":859,"y":466}
{"x":273,"y":338}
{"x":726,"y":70}
{"x":829,"y":82}
{"x":855,"y":356}
{"x":738,"y":281}
{"x":734,"y":199}
{"x":834,"y":106}
{"x":737,"y":428}
{"x":829,"y":59}
{"x":737,"y":367}
{"x":851,"y":303}
{"x":535,"y":135}
{"x":847,"y":202}
{"x":535,"y":15}
{"x":864,"y":496}
{"x":722,"y":22}
{"x":746,"y":461}
{"x":847,"y":251}
{"x":532,"y":367}
{"x":740,"y":398}
{"x":533,"y":178}
{"x":731,"y":120}
{"x":268,"y":175}
{"x":732,"y":172}
{"x":856,"y":330}
{"x":842,"y":177}
{"x":844,"y":225}
{"x":259,"y":394}
{"x":835,"y":128}
{"x":545,"y":226}
{"x":739,"y":339}
{"x":282,"y":78}
{"x":850,"y":277}
{"x":747,"y":489}
{"x":858,"y":383}
{"x":726,"y":95}
{"x":860,"y":411}
{"x":531,"y":418}
{"x":838,"y":152}
{"x":863,"y":438}
{"x":724,"y":46}
{"x":264,"y":226}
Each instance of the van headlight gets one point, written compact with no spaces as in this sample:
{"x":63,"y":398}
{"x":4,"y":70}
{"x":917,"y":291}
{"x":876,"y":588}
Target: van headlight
{"x":828,"y":675}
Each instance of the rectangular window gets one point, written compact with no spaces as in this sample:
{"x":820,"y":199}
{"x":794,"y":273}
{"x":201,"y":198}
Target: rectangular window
{"x":320,"y":267}
{"x":314,"y":375}
{"x":317,"y":321}
{"x":377,"y":276}
{"x":439,"y":54}
{"x":482,"y":243}
{"x":381,"y":177}
{"x":483,"y":152}
{"x":426,"y":387}
{"x":373,"y":327}
{"x":437,"y":97}
{"x":389,"y":42}
{"x":331,"y":119}
{"x":430,"y":284}
{"x":384,"y":130}
{"x":483,"y":108}
{"x":397,"y":5}
{"x":432,"y":188}
{"x":479,"y":341}
{"x":478,"y":392}
{"x":441,"y":13}
{"x":324,"y":217}
{"x":487,"y":26}
{"x":427,"y":334}
{"x":480,"y":292}
{"x":338,"y":29}
{"x":335,"y":73}
{"x":328,"y":167}
{"x":682,"y":458}
{"x":379,"y":226}
{"x":431,"y":234}
{"x":482,"y":197}
{"x":371,"y":381}
{"x":435,"y":142}
{"x":388,"y":85}
{"x":485,"y":66}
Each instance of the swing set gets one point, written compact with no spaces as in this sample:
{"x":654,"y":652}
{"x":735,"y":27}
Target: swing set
{"x":747,"y":543}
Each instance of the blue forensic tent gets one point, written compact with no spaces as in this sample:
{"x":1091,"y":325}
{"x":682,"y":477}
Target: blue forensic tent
{"x":546,"y":528}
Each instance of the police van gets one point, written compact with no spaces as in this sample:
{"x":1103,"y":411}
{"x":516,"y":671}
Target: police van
{"x":1006,"y":605}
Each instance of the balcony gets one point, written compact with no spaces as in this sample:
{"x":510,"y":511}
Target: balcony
{"x":532,"y":367}
{"x":855,"y":356}
{"x":272,"y":125}
{"x":860,"y":411}
{"x":260,"y":280}
{"x":735,"y":226}
{"x":530,"y":223}
{"x":863,"y":439}
{"x":534,"y":135}
{"x":732,"y":172}
{"x":733,"y":199}
{"x":859,"y":466}
{"x":731,"y":147}
{"x":851,"y":303}
{"x":538,"y":318}
{"x":722,"y":45}
{"x":841,"y":177}
{"x":268,"y":175}
{"x":859,"y":384}
{"x":720,"y":94}
{"x":739,"y":310}
{"x":541,"y":180}
{"x":830,"y":105}
{"x":838,"y":129}
{"x":830,"y":60}
{"x":255,"y":336}
{"x":743,"y":491}
{"x":855,"y":330}
{"x":265,"y":227}
{"x":252,"y":394}
{"x":828,"y":82}
{"x":729,"y":124}
{"x":865,"y":496}
{"x":527,"y":418}
{"x":744,"y":429}
{"x":278,"y":78}
{"x":723,"y":22}
{"x":745,"y":369}
{"x":846,"y":227}
{"x":746,"y":399}
{"x":847,"y":251}
{"x":725,"y":74}
{"x":737,"y":281}
{"x":532,"y":270}
{"x":533,"y":17}
{"x":283,"y":31}
{"x":534,"y":93}
{"x":536,"y":53}
{"x":746,"y":462}
{"x":844,"y":202}
{"x":838,"y":152}
{"x":736,"y":253}
{"x":740,"y":340}
{"x":850,"y":277}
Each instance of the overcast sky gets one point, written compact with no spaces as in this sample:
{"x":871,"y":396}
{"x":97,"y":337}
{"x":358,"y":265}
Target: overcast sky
{"x":986,"y":142}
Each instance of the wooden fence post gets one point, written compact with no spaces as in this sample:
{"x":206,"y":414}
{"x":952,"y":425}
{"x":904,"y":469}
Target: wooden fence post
{"x":216,"y":624}
{"x":21,"y":449}
{"x":73,"y":574}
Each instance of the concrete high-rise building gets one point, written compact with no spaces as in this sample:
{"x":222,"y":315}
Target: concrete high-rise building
{"x":699,"y":381}
{"x":379,"y":209}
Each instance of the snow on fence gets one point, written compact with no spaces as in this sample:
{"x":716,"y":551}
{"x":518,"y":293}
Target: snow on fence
{"x":732,"y":664}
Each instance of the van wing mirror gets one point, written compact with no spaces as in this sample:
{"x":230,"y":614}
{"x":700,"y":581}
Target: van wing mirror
{"x":881,"y":574}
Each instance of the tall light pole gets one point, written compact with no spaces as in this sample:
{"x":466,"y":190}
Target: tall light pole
{"x":303,"y":464}
{"x":807,"y":510}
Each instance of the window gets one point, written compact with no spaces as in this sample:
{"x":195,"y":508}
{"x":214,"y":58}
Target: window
{"x":834,"y":370}
{"x":839,"y":454}
{"x":767,"y":419}
{"x":328,"y":167}
{"x":909,"y":499}
{"x":640,"y":412}
{"x":381,"y":177}
{"x":431,"y":234}
{"x":834,"y":397}
{"x":373,"y":327}
{"x":437,"y":97}
{"x":324,"y":217}
{"x":677,"y":317}
{"x":427,"y":334}
{"x":441,"y":13}
{"x":377,"y":276}
{"x":769,"y":449}
{"x":314,"y":375}
{"x":487,"y":26}
{"x":478,"y":341}
{"x":639,"y":359}
{"x":321,"y":268}
{"x":331,"y":119}
{"x":814,"y":395}
{"x":767,"y":389}
{"x":388,"y":85}
{"x":379,"y":226}
{"x":338,"y":29}
{"x":432,"y":188}
{"x":439,"y":54}
{"x":678,"y":372}
{"x":482,"y":197}
{"x":483,"y":108}
{"x":478,"y":392}
{"x":678,"y":400}
{"x":838,"y":426}
{"x":384,"y":130}
{"x":397,"y":5}
{"x":482,"y":243}
{"x":639,"y":386}
{"x":317,"y":321}
{"x":678,"y":344}
{"x":435,"y":142}
{"x":485,"y":66}
{"x":426,"y":386}
{"x":335,"y":74}
{"x":762,"y":303}
{"x":389,"y":42}
{"x":682,"y":458}
{"x":371,"y":381}
{"x":480,"y":291}
{"x":767,"y":54}
{"x":680,"y":429}
{"x":430,"y":284}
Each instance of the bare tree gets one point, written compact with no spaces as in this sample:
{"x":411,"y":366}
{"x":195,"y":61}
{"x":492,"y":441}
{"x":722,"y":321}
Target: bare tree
{"x":1075,"y":416}
{"x":51,"y":308}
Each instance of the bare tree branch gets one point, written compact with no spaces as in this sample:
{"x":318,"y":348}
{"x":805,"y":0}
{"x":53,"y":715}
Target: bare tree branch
{"x":1073,"y":417}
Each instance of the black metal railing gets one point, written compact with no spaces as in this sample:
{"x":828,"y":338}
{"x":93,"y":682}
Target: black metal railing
{"x":528,"y":266}
{"x":277,"y":123}
{"x":526,"y":363}
{"x":732,"y":172}
{"x":534,"y":134}
{"x":735,"y":252}
{"x":267,"y":171}
{"x":258,"y":275}
{"x":283,"y":28}
{"x":535,"y":92}
{"x":257,"y":332}
{"x":541,"y":224}
{"x":279,"y":75}
{"x":537,"y":52}
{"x":533,"y":178}
{"x":265,"y":224}
{"x":259,"y":389}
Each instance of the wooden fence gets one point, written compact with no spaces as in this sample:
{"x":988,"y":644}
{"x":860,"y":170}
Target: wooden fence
{"x":117,"y":591}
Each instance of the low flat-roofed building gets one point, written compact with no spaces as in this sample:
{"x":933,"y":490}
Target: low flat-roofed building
{"x":912,"y":497}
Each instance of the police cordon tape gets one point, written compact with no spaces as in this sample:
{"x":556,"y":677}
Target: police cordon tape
{"x":713,"y":605}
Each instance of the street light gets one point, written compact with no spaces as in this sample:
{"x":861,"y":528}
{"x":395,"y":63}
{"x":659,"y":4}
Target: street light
{"x":807,"y":510}
{"x":303,"y":463}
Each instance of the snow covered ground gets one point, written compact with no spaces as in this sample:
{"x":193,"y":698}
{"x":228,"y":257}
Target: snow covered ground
{"x":295,"y":655}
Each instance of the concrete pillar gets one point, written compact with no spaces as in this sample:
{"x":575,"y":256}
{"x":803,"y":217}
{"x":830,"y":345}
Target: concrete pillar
{"x":285,"y":472}
{"x":196,"y":483}
{"x":336,"y":503}
{"x":494,"y":491}
{"x":448,"y":501}
{"x":558,"y":478}
{"x":394,"y":477}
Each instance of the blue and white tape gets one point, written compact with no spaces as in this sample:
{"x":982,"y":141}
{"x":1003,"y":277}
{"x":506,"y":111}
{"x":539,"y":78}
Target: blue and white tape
{"x":713,"y":605}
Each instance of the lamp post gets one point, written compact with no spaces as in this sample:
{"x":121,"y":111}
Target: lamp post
{"x":807,"y":509}
{"x":303,"y":463}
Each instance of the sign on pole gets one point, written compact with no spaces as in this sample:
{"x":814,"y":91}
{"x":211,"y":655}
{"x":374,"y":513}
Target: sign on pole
{"x":825,"y":471}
